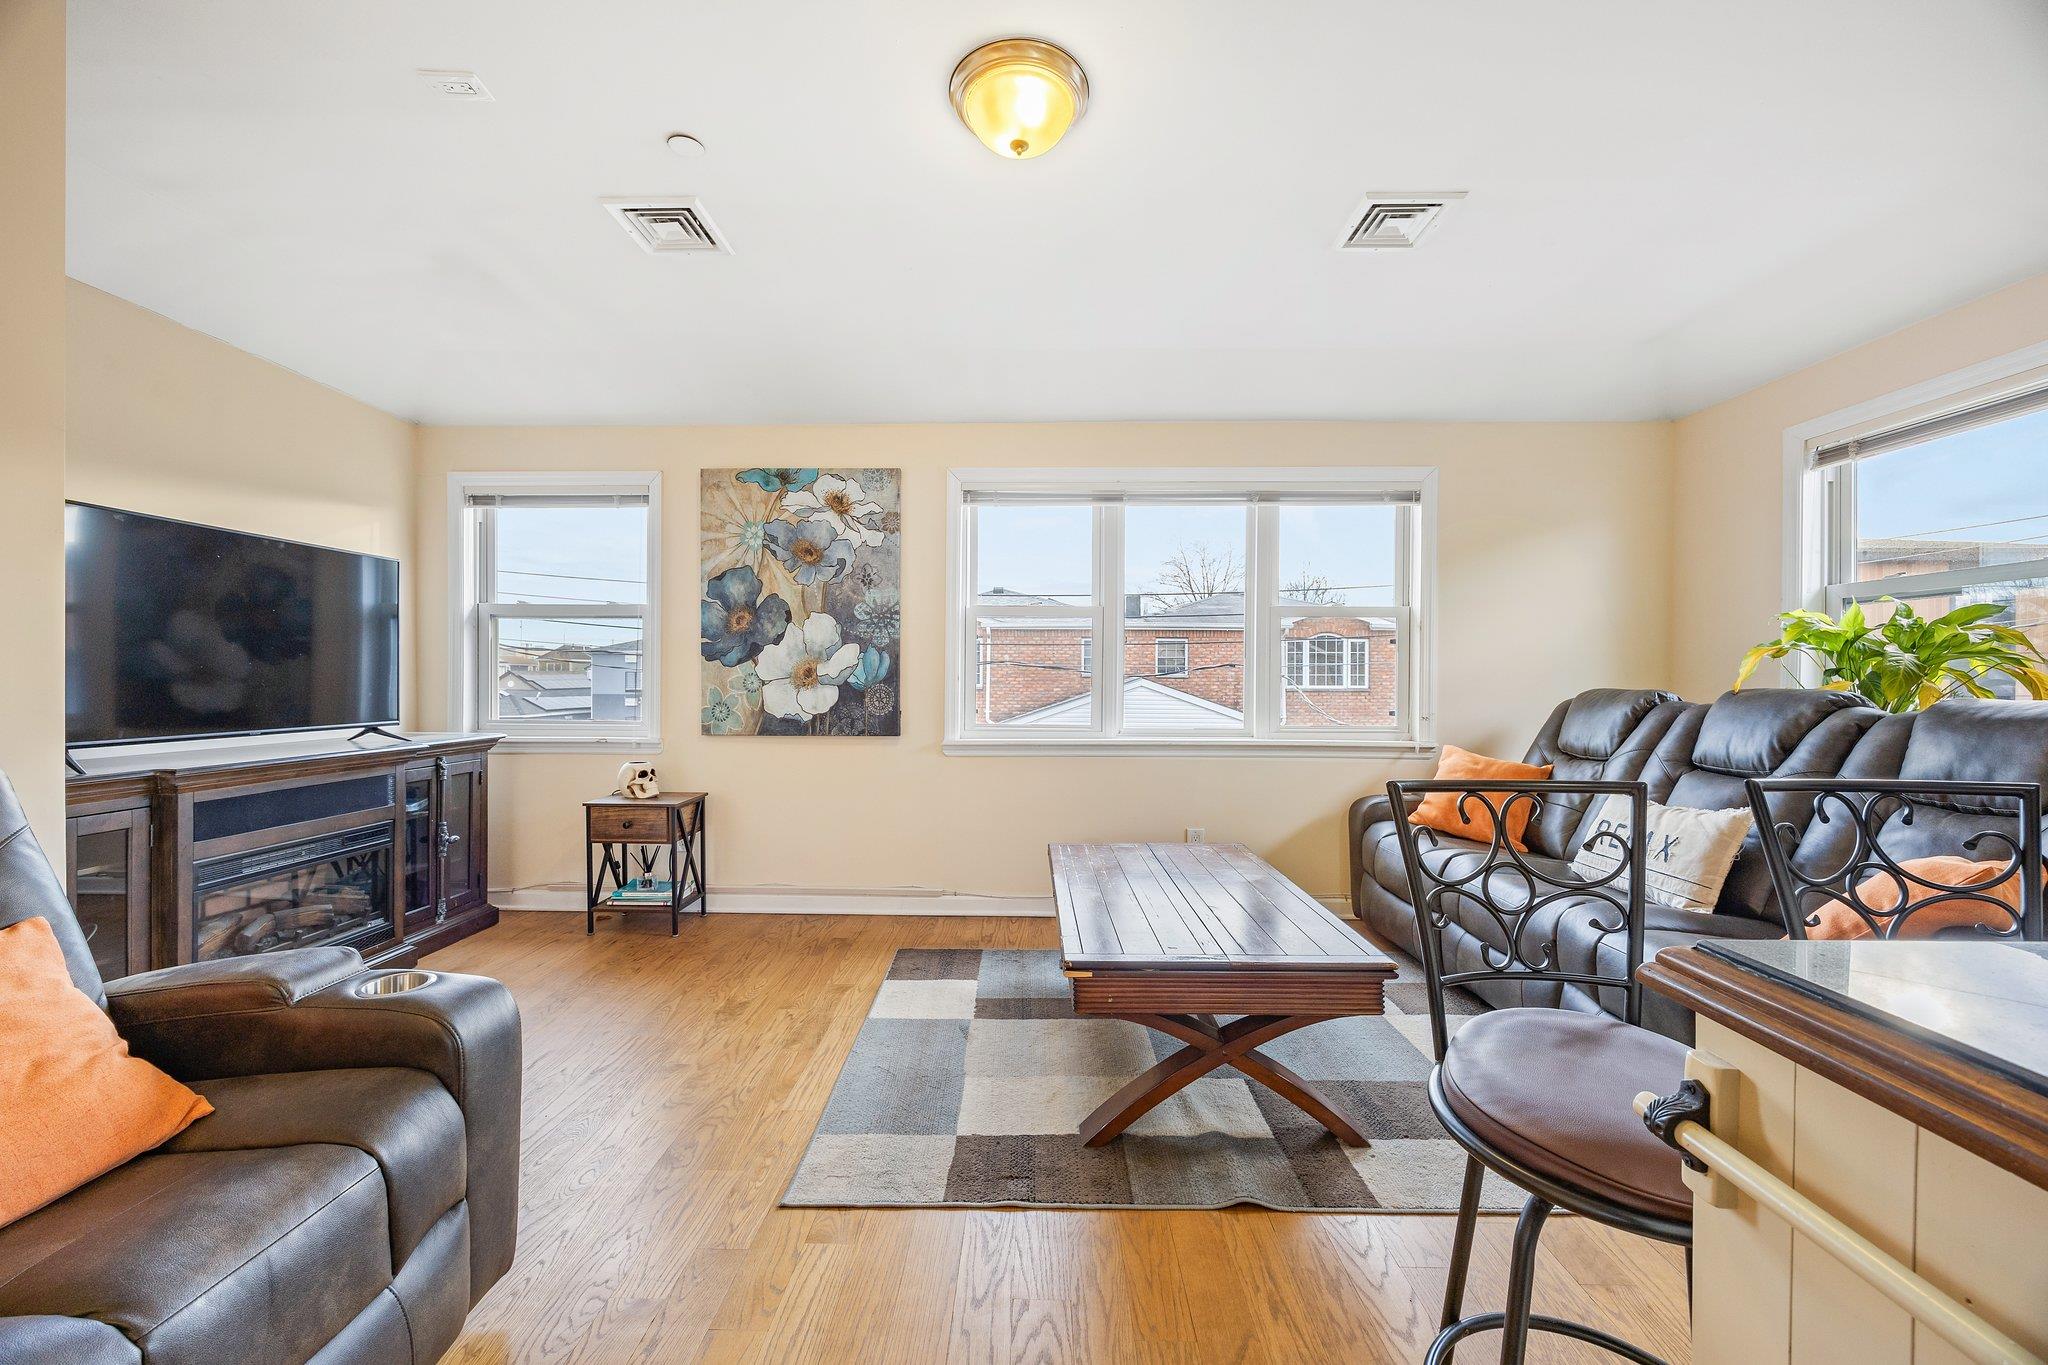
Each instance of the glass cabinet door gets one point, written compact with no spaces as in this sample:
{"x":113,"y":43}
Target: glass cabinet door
{"x":420,"y":848}
{"x":108,"y":872}
{"x":461,"y":834}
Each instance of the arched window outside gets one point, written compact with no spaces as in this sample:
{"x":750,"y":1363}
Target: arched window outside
{"x":1325,"y":662}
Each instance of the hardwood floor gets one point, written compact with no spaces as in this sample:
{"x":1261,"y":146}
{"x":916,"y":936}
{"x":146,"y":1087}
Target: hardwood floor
{"x":671,"y":1085}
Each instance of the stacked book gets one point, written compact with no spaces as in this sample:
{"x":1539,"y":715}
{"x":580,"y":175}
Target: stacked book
{"x":644,"y":891}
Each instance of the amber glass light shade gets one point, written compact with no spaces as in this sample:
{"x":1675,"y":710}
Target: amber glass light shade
{"x":1019,"y":96}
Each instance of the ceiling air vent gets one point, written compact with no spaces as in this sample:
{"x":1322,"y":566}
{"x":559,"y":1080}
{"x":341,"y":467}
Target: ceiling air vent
{"x":1396,"y":220}
{"x":664,"y":225}
{"x":457,"y":85}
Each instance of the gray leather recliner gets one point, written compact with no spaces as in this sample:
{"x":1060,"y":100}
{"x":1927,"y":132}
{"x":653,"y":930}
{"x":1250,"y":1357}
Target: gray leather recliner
{"x":354,"y":1193}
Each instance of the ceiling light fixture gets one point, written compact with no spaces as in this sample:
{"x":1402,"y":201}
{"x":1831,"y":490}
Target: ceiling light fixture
{"x":682,"y":144}
{"x":1019,"y":96}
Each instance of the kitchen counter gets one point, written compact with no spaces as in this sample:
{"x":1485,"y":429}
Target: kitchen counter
{"x":1902,"y":1088}
{"x":1951,"y":1036}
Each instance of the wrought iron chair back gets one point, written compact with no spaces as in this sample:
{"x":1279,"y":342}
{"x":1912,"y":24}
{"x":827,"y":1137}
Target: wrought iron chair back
{"x":1514,"y":893}
{"x":1860,"y":812}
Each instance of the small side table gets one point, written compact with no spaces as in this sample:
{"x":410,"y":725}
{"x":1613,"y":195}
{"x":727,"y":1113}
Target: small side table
{"x":614,"y":826}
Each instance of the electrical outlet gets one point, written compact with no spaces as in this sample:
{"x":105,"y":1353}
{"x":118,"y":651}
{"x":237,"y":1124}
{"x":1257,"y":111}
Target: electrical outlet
{"x":1197,"y":836}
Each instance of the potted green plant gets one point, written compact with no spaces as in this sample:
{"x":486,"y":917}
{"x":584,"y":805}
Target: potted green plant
{"x":1908,"y":662}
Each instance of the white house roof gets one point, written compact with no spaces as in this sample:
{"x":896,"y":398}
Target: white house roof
{"x":552,"y":682}
{"x":1147,"y":705}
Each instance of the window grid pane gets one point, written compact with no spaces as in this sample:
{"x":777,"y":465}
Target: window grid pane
{"x":1326,"y":661}
{"x":565,"y":671}
{"x":587,"y":555}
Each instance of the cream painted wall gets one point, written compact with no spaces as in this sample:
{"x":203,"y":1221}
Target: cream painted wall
{"x":167,"y":420}
{"x":1728,"y":549}
{"x":1552,"y":576}
{"x":32,"y":408}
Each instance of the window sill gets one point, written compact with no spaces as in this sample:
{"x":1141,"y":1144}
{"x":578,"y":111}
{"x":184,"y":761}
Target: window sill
{"x":579,"y":744}
{"x":1348,"y":747}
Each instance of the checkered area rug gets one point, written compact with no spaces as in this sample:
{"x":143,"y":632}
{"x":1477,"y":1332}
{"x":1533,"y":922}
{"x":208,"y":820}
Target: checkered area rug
{"x":972,"y":1073}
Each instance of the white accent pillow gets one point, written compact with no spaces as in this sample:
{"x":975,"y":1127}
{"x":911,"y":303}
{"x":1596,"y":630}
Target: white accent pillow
{"x":1688,"y":852}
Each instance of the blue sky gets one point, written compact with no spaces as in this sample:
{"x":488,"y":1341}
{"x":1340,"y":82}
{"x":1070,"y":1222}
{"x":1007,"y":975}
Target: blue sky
{"x":1951,"y":488}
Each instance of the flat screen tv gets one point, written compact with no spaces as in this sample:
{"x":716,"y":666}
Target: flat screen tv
{"x":179,"y":631}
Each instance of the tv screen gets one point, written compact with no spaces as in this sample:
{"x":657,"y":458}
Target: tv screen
{"x":177,"y":631}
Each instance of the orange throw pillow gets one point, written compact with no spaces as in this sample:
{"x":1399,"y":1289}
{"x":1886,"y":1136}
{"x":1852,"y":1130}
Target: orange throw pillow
{"x":77,"y":1104}
{"x":1439,"y":810}
{"x":1881,"y":892}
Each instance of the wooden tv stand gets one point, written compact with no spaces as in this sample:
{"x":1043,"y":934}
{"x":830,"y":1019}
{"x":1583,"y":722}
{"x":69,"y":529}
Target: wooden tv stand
{"x":210,"y":851}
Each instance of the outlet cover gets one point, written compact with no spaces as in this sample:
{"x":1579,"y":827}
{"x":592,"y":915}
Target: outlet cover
{"x":1197,"y":836}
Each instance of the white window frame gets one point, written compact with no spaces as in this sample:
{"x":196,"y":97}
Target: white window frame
{"x":1820,"y":503}
{"x":471,"y":618}
{"x":1087,"y":658}
{"x":1108,"y":490}
{"x":1187,"y":658}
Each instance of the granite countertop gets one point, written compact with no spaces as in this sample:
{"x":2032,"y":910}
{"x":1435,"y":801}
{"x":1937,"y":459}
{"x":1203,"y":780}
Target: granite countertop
{"x":1952,"y":1036}
{"x":1985,"y":1002}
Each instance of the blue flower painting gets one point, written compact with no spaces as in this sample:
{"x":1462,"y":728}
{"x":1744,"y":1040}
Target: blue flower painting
{"x":738,"y":622}
{"x":778,"y":480}
{"x":810,"y":550}
{"x":803,"y":578}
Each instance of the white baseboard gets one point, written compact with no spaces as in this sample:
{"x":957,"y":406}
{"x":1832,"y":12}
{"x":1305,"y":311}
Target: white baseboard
{"x":743,"y":900}
{"x":767,"y":901}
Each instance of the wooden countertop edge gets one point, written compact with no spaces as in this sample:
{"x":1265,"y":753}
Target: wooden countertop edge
{"x":1980,"y":1111}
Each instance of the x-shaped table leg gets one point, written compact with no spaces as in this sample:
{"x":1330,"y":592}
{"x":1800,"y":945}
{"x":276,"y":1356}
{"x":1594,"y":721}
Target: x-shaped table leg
{"x":1208,"y":1047}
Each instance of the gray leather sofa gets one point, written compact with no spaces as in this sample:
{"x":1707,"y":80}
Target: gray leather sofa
{"x":355,"y":1191}
{"x":1699,"y":754}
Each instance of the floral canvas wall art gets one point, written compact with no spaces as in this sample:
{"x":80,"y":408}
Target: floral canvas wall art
{"x":802,"y":609}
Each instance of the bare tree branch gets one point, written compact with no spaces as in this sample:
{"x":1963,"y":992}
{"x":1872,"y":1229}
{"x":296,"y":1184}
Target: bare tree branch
{"x":1310,"y":586}
{"x":1193,"y":572}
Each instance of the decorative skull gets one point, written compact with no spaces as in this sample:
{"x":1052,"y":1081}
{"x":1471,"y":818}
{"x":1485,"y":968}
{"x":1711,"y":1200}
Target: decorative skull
{"x":637,"y":780}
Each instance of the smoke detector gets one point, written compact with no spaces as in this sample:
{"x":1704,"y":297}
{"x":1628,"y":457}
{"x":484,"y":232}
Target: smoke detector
{"x":1389,"y":219}
{"x":457,"y":85}
{"x":664,"y":225}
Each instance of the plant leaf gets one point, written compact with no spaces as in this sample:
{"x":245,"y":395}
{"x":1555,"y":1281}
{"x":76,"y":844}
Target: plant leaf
{"x":1751,"y":661}
{"x":1970,"y":615}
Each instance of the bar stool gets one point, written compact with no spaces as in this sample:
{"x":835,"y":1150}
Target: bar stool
{"x":1862,"y":832}
{"x":1542,"y":1096}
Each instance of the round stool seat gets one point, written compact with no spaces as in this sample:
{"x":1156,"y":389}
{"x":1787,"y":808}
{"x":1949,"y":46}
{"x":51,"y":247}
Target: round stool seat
{"x":1553,"y":1091}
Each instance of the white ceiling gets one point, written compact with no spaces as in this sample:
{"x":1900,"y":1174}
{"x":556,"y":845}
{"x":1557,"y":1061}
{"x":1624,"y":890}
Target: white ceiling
{"x":1669,"y":203}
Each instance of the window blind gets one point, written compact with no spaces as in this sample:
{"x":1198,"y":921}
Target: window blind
{"x":1928,"y":428}
{"x":552,"y":498}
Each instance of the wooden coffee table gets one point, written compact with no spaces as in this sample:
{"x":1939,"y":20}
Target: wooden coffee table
{"x":1171,"y":935}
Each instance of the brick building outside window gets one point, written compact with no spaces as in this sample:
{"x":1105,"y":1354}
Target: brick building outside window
{"x":1338,"y":670}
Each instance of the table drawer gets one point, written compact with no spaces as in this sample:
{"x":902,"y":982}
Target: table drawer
{"x":625,"y":825}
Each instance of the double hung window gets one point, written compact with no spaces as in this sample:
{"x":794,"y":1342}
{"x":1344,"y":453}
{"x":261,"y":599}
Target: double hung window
{"x":556,"y":596}
{"x":1937,"y":507}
